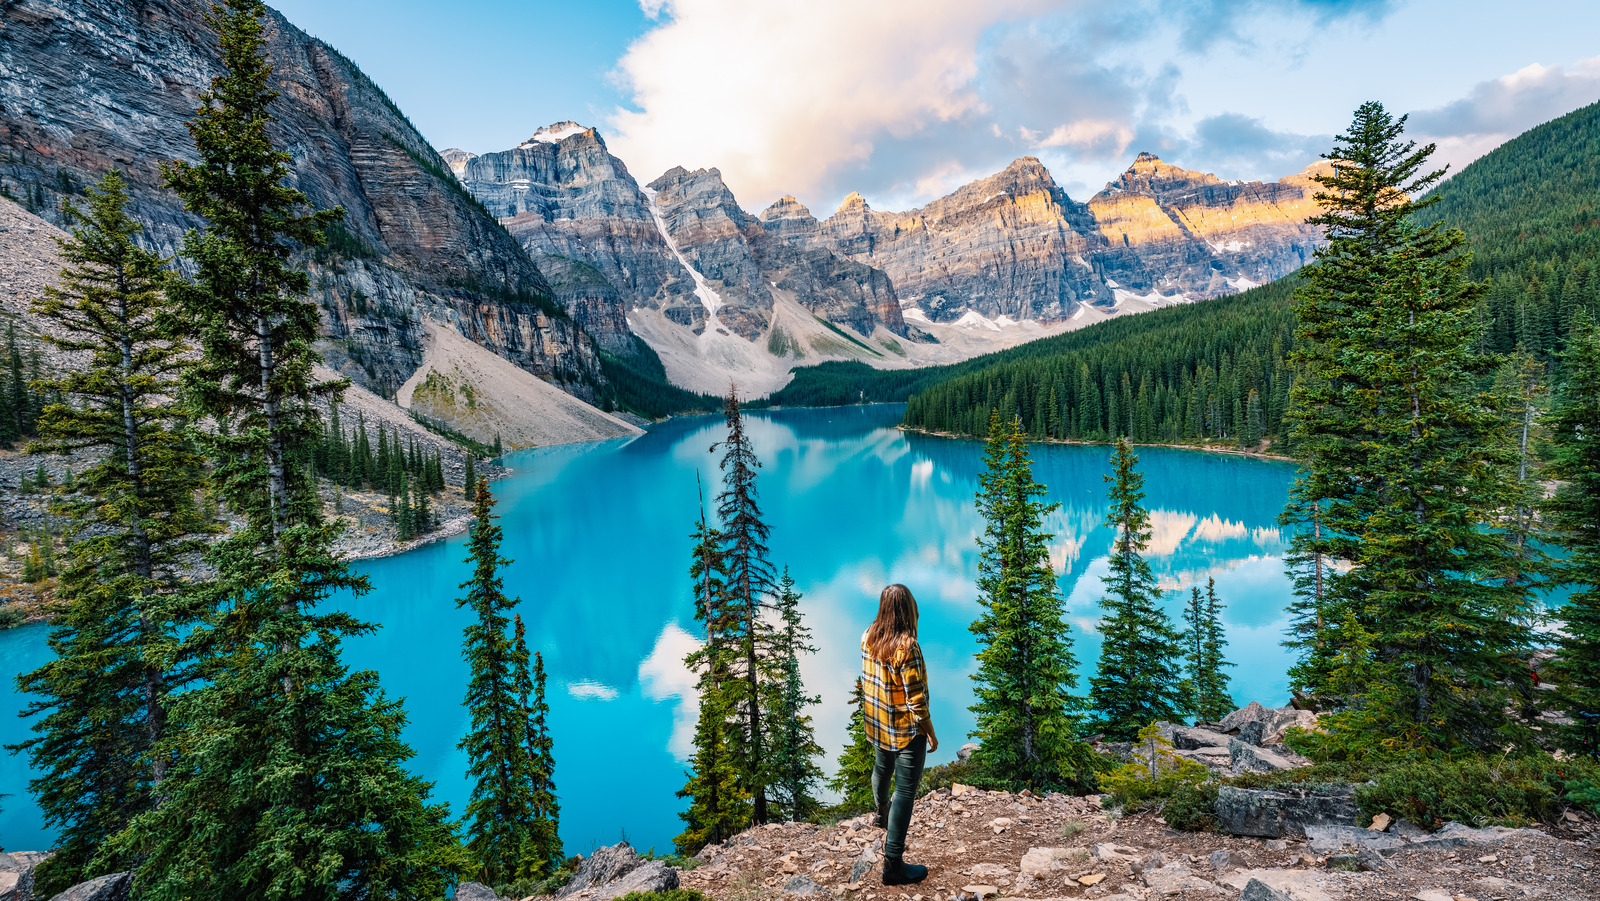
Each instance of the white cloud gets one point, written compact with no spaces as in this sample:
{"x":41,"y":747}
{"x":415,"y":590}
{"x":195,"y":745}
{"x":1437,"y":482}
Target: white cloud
{"x":1496,"y":111}
{"x":781,"y":95}
{"x":663,"y":676}
{"x":589,"y":690}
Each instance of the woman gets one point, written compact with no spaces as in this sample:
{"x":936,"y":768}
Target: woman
{"x":895,"y":687}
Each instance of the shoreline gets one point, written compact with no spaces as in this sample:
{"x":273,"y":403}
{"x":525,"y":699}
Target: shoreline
{"x":1200,"y":448}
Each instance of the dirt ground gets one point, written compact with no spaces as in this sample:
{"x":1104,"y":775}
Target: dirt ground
{"x":978,"y":843}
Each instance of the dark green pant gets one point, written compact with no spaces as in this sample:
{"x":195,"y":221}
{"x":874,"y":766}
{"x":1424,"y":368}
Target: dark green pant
{"x":905,"y":766}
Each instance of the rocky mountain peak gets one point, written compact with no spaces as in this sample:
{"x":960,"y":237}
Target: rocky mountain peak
{"x":1150,"y":175}
{"x":556,"y":133}
{"x":457,"y":159}
{"x":853,"y":199}
{"x":786,"y":207}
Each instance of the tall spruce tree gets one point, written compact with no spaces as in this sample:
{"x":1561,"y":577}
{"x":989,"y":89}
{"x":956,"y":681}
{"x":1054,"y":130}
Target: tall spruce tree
{"x":853,"y":779}
{"x":718,"y":805}
{"x":289,"y":778}
{"x":1574,"y":516}
{"x":133,"y":517}
{"x":1026,"y":716}
{"x":543,"y":853}
{"x":500,"y":812}
{"x":794,"y":753}
{"x":1137,"y":679}
{"x":1207,"y":683}
{"x":746,"y":597}
{"x":1404,"y":459}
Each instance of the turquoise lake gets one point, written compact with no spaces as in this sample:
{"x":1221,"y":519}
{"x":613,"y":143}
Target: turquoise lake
{"x":599,"y":538}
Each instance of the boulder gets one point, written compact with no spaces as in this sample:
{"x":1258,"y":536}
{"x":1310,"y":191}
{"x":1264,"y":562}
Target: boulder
{"x":614,"y":871}
{"x":1155,"y":860}
{"x":1111,"y":851}
{"x":649,"y":876}
{"x":1332,"y":839}
{"x":605,"y":865}
{"x":863,"y":865}
{"x":966,"y":751}
{"x":1226,"y":859}
{"x":1191,"y":738}
{"x":1290,"y":719}
{"x":1040,"y":862}
{"x":1244,"y":757}
{"x":1488,"y":835}
{"x":805,"y":887}
{"x":989,"y":872}
{"x":1173,"y":879}
{"x":1274,"y":814}
{"x":1253,"y":732}
{"x":475,"y":891}
{"x":1256,"y":890}
{"x":1250,"y":713}
{"x":115,"y":887}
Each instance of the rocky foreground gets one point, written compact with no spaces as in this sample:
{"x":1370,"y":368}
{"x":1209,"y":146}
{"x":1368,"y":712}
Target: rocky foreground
{"x":1288,"y":845}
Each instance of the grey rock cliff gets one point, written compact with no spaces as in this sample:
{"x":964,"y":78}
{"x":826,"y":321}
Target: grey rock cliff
{"x":112,"y":84}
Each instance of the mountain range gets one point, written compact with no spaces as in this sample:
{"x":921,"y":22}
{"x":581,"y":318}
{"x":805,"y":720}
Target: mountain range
{"x":720,"y":294}
{"x":551,"y":255}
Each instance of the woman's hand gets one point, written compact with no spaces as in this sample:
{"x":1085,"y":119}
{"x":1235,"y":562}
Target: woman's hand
{"x":927,"y":732}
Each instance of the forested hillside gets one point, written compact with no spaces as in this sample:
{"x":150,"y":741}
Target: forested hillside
{"x":1214,"y":371}
{"x":1531,"y":210}
{"x":1209,"y":371}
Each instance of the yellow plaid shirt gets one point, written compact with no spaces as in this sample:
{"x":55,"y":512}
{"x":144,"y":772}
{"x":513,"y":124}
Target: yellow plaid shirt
{"x":896,"y":696}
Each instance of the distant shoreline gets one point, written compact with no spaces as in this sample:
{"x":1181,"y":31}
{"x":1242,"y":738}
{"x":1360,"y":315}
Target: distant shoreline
{"x":1201,"y":448}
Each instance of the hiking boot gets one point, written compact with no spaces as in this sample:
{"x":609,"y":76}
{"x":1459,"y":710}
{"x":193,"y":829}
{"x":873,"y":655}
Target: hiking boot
{"x":897,"y":872}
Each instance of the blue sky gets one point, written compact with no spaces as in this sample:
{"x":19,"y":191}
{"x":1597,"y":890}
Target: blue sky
{"x":903,"y":100}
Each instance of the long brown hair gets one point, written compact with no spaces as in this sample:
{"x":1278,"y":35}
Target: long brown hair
{"x":896,"y":625}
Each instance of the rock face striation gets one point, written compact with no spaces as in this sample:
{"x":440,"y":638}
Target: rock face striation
{"x":111,"y":84}
{"x":679,"y":262}
{"x":606,"y":240}
{"x":1015,"y":245}
{"x":1204,"y":236}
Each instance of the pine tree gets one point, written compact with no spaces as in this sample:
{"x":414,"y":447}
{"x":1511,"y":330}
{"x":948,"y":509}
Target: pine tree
{"x":289,"y":776}
{"x":853,"y":781}
{"x":500,"y":813}
{"x":1404,"y":461}
{"x":747,"y":589}
{"x":17,"y":395}
{"x":718,"y":805}
{"x":422,"y":515}
{"x":380,"y":461}
{"x":1574,"y":515}
{"x":105,"y":695}
{"x":1136,"y":682}
{"x":1519,"y":387}
{"x":471,"y":477}
{"x":543,"y":853}
{"x":1025,"y":715}
{"x":795,"y":773}
{"x":1207,"y":683}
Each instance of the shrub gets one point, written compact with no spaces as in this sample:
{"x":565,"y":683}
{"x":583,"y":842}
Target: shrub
{"x":11,"y":615}
{"x":677,"y":894}
{"x":1193,"y":807}
{"x":1154,"y":775}
{"x":1475,"y":791}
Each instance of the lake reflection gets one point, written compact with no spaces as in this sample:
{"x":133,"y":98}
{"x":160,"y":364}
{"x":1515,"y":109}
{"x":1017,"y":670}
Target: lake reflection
{"x":599,"y":536}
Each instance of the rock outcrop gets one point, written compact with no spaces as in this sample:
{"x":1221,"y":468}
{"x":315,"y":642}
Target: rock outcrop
{"x":1203,"y":236}
{"x":1012,"y":244}
{"x":615,"y":871}
{"x":610,"y":245}
{"x":112,"y":84}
